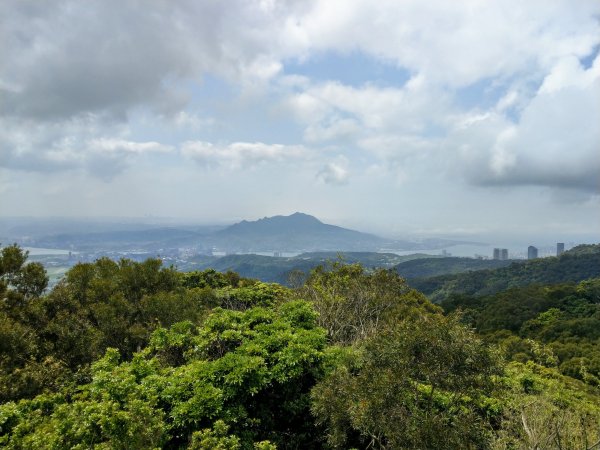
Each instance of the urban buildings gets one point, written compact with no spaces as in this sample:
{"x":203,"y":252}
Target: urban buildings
{"x":532,"y":252}
{"x":501,"y":254}
{"x":560,"y":248}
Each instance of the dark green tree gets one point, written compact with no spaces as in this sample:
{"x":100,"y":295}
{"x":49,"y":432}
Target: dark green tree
{"x":420,"y":384}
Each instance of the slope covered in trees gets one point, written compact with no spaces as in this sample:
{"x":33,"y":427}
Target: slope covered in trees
{"x":430,"y":267}
{"x":579,"y":263}
{"x":564,"y":317}
{"x":134,"y":355}
{"x":282,"y":269}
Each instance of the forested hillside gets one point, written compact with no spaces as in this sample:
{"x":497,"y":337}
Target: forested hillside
{"x":132,"y":355}
{"x":282,"y":269}
{"x":433,"y":266}
{"x":565,"y":317}
{"x":579,"y":263}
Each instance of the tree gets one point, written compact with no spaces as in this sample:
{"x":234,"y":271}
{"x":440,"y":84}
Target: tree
{"x":423,"y":383}
{"x":241,"y":380}
{"x":353,"y":304}
{"x":27,"y":280}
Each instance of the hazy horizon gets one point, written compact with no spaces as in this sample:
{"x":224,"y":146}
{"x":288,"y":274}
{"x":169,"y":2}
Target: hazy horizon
{"x":466,"y":120}
{"x":518,"y":241}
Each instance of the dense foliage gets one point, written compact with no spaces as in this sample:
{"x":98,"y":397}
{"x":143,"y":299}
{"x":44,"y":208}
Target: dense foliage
{"x":49,"y":340}
{"x":127,"y":355}
{"x":251,"y":370}
{"x":424,"y":383}
{"x":563,"y":317}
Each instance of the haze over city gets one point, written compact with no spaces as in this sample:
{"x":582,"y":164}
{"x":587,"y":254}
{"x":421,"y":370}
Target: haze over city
{"x":415,"y":118}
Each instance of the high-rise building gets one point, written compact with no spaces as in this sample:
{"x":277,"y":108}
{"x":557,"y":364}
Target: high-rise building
{"x":532,"y":252}
{"x":560,"y":248}
{"x":496,"y":253}
{"x":503,"y":254}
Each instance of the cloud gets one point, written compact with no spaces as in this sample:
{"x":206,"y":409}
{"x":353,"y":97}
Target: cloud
{"x":185,"y":120}
{"x":104,"y":145}
{"x":239,"y":155}
{"x":77,"y":145}
{"x":391,"y":124}
{"x":75,"y":59}
{"x":338,"y":129}
{"x":496,"y":91}
{"x":554,"y":143}
{"x":335,"y":173}
{"x":375,"y":108}
{"x":456,"y":43}
{"x":109,"y":56}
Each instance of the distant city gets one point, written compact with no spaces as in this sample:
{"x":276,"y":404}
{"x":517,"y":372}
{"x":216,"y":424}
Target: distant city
{"x":501,"y":254}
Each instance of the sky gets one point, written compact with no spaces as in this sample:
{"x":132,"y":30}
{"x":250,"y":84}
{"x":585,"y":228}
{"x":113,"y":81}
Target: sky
{"x":403,"y":117}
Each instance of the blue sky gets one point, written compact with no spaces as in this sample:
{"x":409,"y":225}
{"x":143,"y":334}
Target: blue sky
{"x":414,"y":118}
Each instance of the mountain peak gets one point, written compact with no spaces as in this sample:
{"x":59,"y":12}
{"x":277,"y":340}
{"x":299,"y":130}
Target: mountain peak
{"x":296,"y":232}
{"x":296,"y":218}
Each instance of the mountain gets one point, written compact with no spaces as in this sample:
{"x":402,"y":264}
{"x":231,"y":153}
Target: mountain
{"x":577,"y":264}
{"x":295,"y":233}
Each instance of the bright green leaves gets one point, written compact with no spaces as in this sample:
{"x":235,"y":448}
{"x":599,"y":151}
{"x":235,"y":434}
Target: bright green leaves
{"x":215,"y":438}
{"x":242,"y":377}
{"x":251,"y":295}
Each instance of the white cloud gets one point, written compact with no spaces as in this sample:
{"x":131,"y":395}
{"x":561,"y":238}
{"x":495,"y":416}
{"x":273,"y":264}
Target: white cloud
{"x":457,"y":43}
{"x":239,"y":155}
{"x":331,"y":109}
{"x":555,"y":143}
{"x":76,"y":145}
{"x":109,"y":56}
{"x":334,"y":173}
{"x":496,"y":91}
{"x":186,"y":120}
{"x":568,"y":72}
{"x":337,"y":130}
{"x":123,"y":146}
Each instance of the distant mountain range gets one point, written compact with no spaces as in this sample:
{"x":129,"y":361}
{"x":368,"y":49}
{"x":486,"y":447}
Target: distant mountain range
{"x":296,"y":233}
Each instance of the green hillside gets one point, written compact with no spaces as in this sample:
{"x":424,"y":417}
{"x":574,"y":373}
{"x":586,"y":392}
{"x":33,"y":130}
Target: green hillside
{"x":278,"y":269}
{"x":578,"y":264}
{"x":565,"y":317}
{"x":433,"y":266}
